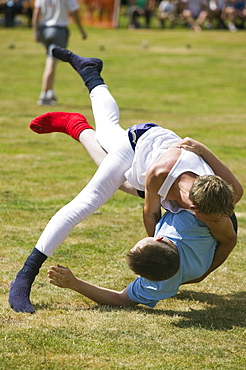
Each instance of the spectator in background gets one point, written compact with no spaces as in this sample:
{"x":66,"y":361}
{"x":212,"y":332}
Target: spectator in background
{"x":50,"y":21}
{"x":140,"y":8}
{"x":25,"y":7}
{"x":240,"y":12}
{"x":195,"y":13}
{"x":234,"y":10}
{"x":167,"y":10}
{"x":14,"y":7}
{"x":180,"y":5}
{"x":9,"y":13}
{"x":217,"y":14}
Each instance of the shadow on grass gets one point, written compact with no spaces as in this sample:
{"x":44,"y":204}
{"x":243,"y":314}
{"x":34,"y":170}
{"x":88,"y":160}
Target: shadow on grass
{"x":224,"y":312}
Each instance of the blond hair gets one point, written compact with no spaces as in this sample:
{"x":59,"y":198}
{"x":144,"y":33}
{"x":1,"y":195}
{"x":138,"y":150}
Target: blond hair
{"x":212,"y":195}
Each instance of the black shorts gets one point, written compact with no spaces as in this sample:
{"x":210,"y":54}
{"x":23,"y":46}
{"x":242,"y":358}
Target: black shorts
{"x":53,"y":36}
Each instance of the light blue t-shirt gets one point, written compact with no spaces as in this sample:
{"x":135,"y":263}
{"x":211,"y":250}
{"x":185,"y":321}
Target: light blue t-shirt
{"x":196,"y":248}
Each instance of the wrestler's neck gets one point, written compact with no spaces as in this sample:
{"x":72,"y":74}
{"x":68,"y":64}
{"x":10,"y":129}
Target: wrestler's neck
{"x":180,"y":189}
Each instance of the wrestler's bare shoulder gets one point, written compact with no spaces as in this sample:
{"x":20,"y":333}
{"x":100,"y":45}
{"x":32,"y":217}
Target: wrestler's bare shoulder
{"x":167,"y":160}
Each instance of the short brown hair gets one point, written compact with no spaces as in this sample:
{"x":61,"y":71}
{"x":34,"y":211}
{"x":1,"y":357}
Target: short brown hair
{"x":154,"y":260}
{"x":212,"y":195}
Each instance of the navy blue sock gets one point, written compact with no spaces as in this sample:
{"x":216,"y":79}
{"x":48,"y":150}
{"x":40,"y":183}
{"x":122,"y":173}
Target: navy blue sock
{"x":20,"y":288}
{"x":32,"y":264}
{"x":91,"y":78}
{"x":88,"y":68}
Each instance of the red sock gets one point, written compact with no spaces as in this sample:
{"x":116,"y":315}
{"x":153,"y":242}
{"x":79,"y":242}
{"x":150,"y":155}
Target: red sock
{"x":69,"y":123}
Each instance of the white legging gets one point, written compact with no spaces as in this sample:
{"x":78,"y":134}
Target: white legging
{"x":107,"y":179}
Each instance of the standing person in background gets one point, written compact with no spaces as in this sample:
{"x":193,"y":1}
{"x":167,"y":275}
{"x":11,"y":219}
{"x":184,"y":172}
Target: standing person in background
{"x":50,"y":21}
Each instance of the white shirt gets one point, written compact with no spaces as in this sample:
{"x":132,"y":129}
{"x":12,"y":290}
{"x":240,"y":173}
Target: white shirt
{"x":150,"y":146}
{"x":56,"y":12}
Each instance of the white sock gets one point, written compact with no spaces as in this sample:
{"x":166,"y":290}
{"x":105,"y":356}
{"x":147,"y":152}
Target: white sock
{"x":50,"y":94}
{"x":42,"y":95}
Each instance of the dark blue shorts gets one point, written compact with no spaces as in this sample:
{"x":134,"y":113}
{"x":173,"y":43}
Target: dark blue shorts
{"x":53,"y":36}
{"x":136,"y":131}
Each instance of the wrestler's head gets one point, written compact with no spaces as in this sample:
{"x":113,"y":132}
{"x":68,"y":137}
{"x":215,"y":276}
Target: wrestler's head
{"x":155,"y":259}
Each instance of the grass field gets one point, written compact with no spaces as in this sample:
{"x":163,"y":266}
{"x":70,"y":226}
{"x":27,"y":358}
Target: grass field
{"x":193,"y":83}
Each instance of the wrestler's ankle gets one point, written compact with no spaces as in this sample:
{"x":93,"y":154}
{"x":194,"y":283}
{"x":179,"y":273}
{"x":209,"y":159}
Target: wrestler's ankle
{"x":77,"y":124}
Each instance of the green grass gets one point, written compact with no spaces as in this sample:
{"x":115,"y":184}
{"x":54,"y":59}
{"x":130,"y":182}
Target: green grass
{"x":189,"y":82}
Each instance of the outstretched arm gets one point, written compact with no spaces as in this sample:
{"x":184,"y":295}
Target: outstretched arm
{"x":35,"y":19}
{"x":219,"y":168}
{"x":76,"y":17}
{"x":64,"y":278}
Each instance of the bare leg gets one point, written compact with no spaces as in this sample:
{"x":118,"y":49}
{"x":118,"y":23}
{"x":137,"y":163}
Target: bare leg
{"x":49,"y":74}
{"x":95,"y":151}
{"x":202,"y":16}
{"x":191,"y":20}
{"x":47,"y":95}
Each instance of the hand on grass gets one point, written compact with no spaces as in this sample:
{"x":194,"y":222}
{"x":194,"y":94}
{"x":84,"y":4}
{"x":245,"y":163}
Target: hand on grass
{"x":62,"y":277}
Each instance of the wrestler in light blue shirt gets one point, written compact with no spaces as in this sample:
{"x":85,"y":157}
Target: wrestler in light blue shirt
{"x":196,"y":248}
